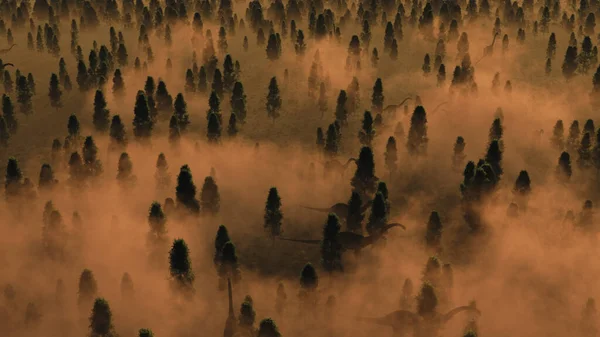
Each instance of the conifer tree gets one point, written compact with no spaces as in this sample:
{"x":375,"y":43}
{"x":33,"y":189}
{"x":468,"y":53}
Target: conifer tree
{"x":364,"y":180}
{"x":341,"y":114}
{"x":268,"y":328}
{"x":232,"y":128}
{"x":433,"y":235}
{"x":331,"y":249}
{"x":180,"y":267}
{"x":320,"y":139}
{"x":186,"y":191}
{"x":13,"y":179}
{"x":118,"y":87}
{"x":214,"y":106}
{"x":573,"y":138}
{"x":88,"y":288}
{"x":564,"y":170}
{"x":125,"y":175}
{"x":273,"y":100}
{"x":214,"y":129}
{"x":300,"y":45}
{"x":229,"y":74}
{"x":118,"y":135}
{"x":164,"y":101}
{"x":355,"y":217}
{"x":4,"y":132}
{"x":494,"y":157}
{"x":24,"y":95}
{"x":426,"y":65}
{"x":181,"y":113}
{"x":8,"y":112}
{"x":417,"y":134}
{"x":210,"y":200}
{"x":585,"y":151}
{"x":142,"y":122}
{"x":377,"y":97}
{"x":157,"y":220}
{"x":569,"y":66}
{"x":331,"y":141}
{"x":90,"y":157}
{"x":238,"y":102}
{"x":273,"y":215}
{"x":221,"y":239}
{"x":162,"y":176}
{"x":127,"y":289}
{"x":378,"y":216}
{"x":558,"y":136}
{"x":391,"y":155}
{"x":309,"y":280}
{"x":202,"y":79}
{"x":247,"y":316}
{"x":55,"y":93}
{"x":174,"y":131}
{"x":101,"y":319}
{"x":367,"y":133}
{"x":229,"y":267}
{"x":145,"y":333}
{"x":101,"y":114}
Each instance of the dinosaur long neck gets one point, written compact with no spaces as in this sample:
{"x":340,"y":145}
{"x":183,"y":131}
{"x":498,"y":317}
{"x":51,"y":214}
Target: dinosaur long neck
{"x":494,"y":40}
{"x":231,"y":313}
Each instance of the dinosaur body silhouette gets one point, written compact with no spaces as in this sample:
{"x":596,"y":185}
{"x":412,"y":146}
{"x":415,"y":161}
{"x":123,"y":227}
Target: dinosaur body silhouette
{"x":424,"y":326}
{"x":488,"y":50}
{"x":352,"y":241}
{"x":392,"y":108}
{"x":230,"y":324}
{"x":335,"y":165}
{"x":4,"y":51}
{"x":340,"y":209}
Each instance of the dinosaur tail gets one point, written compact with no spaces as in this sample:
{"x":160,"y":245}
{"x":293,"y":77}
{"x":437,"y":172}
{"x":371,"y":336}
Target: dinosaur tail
{"x":316,"y":209}
{"x":392,"y":225}
{"x":312,"y":242}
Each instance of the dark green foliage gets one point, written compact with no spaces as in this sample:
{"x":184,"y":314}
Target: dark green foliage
{"x":459,"y":152}
{"x":268,"y":328}
{"x":101,"y":113}
{"x":210,"y":200}
{"x":331,"y":249}
{"x":13,"y":179}
{"x":214,"y":106}
{"x":174,"y":131}
{"x":186,"y":191}
{"x":367,"y":133}
{"x":88,"y":288}
{"x":433,"y":235}
{"x":229,"y":267}
{"x":190,"y":85}
{"x":320,"y":139}
{"x":426,"y":300}
{"x":163,"y":179}
{"x":145,"y":333}
{"x":217,"y":84}
{"x":273,"y":214}
{"x":142,"y":122}
{"x":558,"y":136}
{"x":523,"y":184}
{"x":570,"y":64}
{"x":83,"y":79}
{"x":8,"y":112}
{"x":164,"y":101}
{"x":4,"y":132}
{"x":229,"y":73}
{"x":341,"y":114}
{"x":54,"y":92}
{"x":364,"y":180}
{"x":377,"y":98}
{"x":426,"y":65}
{"x":90,"y":153}
{"x":309,"y":281}
{"x":180,"y":265}
{"x":355,"y":217}
{"x":247,"y":316}
{"x":273,"y":48}
{"x":122,"y":56}
{"x":232,"y":128}
{"x":378,"y":216}
{"x":273,"y":99}
{"x":181,"y":113}
{"x":118,"y":87}
{"x":125,"y":171}
{"x":417,"y":134}
{"x":202,"y":79}
{"x":76,"y":168}
{"x":213,"y":132}
{"x":24,"y":94}
{"x":238,"y":102}
{"x":101,"y":319}
{"x":391,"y":155}
{"x":585,"y":151}
{"x":300,"y":46}
{"x":332,"y":141}
{"x":494,"y":157}
{"x":220,"y":240}
{"x":496,"y":130}
{"x":158,"y":223}
{"x":118,"y":135}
